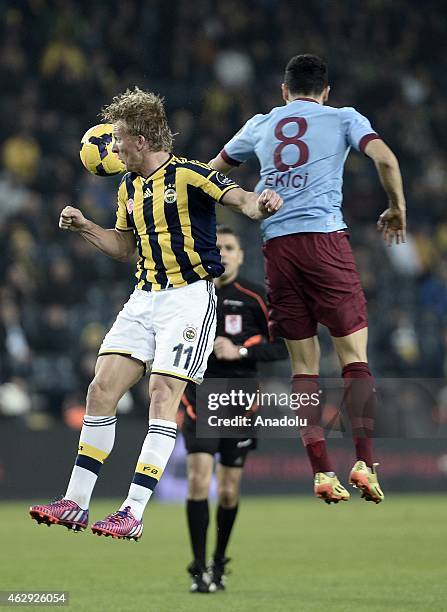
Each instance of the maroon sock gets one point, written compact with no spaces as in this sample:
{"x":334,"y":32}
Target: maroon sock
{"x":318,"y":457}
{"x":360,"y":400}
{"x":312,"y":434}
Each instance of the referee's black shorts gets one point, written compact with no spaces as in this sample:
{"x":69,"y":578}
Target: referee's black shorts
{"x":232,"y":451}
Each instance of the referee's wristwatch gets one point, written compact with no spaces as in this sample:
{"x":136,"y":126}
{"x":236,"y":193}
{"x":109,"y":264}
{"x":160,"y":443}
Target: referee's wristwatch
{"x":243,"y":352}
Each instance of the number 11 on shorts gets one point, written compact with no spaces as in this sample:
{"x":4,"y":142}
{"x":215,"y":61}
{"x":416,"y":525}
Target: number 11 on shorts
{"x":178,"y":350}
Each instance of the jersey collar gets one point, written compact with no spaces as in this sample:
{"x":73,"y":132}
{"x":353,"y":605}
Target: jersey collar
{"x":152,"y":174}
{"x":306,"y":100}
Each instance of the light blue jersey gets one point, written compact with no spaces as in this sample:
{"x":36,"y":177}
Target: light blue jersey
{"x":302,"y":148}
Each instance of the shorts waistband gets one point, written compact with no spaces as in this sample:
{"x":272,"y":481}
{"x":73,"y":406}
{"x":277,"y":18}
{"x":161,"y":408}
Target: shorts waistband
{"x":170,"y":285}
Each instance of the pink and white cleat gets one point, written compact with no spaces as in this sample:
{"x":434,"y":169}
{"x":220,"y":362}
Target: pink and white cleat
{"x":61,"y":512}
{"x":121,"y":525}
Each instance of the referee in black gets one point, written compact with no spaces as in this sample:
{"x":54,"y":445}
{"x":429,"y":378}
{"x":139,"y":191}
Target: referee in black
{"x":242,"y":340}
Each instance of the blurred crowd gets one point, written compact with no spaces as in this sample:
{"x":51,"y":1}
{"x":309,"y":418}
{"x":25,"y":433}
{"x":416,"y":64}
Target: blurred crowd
{"x":217,"y":63}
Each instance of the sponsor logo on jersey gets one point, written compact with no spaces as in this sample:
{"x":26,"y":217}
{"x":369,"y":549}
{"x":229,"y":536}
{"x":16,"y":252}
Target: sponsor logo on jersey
{"x":130,"y":206}
{"x":232,"y":303}
{"x":147,"y":193}
{"x":233,"y":324}
{"x":222,"y":179}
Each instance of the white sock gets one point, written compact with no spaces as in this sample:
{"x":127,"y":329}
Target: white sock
{"x":157,"y":448}
{"x":95,"y":444}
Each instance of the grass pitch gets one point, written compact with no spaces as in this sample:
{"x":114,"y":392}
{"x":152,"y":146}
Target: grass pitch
{"x":289,"y":554}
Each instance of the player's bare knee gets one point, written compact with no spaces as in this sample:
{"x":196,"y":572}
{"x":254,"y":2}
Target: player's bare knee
{"x":165,"y":396}
{"x":100,"y":399}
{"x":160,"y":395}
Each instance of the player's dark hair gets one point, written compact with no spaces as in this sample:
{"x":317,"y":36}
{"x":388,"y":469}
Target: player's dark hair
{"x":226,"y":229}
{"x":306,"y":74}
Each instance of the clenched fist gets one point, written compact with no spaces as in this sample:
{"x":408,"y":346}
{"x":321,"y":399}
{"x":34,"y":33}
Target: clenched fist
{"x":72,"y":219}
{"x":269,"y":202}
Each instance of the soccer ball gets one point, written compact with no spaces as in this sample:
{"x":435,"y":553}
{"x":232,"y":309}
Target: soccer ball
{"x":96,"y":151}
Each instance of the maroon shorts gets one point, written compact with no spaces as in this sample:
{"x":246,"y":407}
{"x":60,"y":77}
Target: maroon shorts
{"x":312,"y":278}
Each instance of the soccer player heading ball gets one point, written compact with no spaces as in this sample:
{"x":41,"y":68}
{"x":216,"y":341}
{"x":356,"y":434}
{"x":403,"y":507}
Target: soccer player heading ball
{"x":165,"y":212}
{"x":311,"y":272}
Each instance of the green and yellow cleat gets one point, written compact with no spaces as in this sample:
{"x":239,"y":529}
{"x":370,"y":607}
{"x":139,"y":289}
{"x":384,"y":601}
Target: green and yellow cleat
{"x":329,"y":488}
{"x":366,"y":480}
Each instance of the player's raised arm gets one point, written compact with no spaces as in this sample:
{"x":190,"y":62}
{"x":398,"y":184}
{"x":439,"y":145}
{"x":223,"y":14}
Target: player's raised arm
{"x":219,"y":164}
{"x":250,"y":204}
{"x":117,"y":244}
{"x":392,"y":222}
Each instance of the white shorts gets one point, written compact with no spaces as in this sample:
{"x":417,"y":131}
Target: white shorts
{"x":172,"y":331}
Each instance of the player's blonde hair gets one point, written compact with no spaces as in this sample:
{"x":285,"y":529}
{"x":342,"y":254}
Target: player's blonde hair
{"x":143,"y":113}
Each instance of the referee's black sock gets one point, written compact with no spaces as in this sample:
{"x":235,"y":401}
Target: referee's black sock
{"x":225,"y":522}
{"x":198,"y":518}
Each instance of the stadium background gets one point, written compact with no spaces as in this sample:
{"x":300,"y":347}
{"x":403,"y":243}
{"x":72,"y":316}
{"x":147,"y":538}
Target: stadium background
{"x":217,"y":65}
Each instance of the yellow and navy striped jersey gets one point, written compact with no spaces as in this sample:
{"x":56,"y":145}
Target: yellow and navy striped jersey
{"x":172,"y":213}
